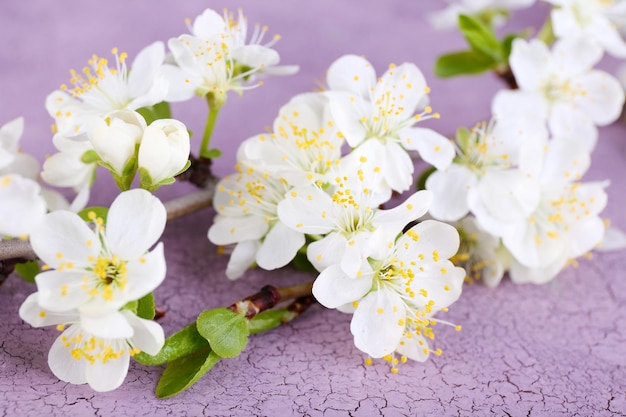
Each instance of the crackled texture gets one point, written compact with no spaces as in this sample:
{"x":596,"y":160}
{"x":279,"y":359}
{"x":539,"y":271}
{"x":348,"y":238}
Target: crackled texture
{"x":552,"y":350}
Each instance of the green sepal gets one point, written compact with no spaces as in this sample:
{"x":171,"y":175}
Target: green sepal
{"x":131,"y":306}
{"x":421,"y":180}
{"x":185,"y":168}
{"x":101,"y":212}
{"x":463,"y":136}
{"x":480,"y":37}
{"x":28,"y":270}
{"x":226,"y":331}
{"x":184,"y":372}
{"x":212,"y":153}
{"x":160,"y":110}
{"x":266,"y":320}
{"x":145,"y":307}
{"x":89,"y":157}
{"x":463,"y":63}
{"x":184,"y":342}
{"x":145,"y":179}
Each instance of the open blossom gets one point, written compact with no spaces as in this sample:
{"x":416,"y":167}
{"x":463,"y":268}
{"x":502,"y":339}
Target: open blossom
{"x":448,"y":18}
{"x":94,"y":349}
{"x":562,"y":85}
{"x":304,"y":145}
{"x":347,"y":213}
{"x":216,"y":58}
{"x":488,"y":148}
{"x":100,"y":270}
{"x":597,"y":20}
{"x":246,"y":205}
{"x":101,"y":89}
{"x":376,"y":117}
{"x":411,"y":279}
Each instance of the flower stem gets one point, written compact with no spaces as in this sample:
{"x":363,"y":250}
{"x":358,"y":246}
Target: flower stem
{"x":214,"y":109}
{"x":268,"y":297}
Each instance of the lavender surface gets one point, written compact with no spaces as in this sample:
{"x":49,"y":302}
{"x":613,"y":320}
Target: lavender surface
{"x":551,"y":350}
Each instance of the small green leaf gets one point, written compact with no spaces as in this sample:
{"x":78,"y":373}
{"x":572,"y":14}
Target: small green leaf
{"x":481,"y":37}
{"x":145,"y":179}
{"x":184,"y":372}
{"x":461,"y":63}
{"x":98,"y":211}
{"x":28,"y":270}
{"x":89,"y":157}
{"x":182,"y":343}
{"x":185,"y":168}
{"x":158,"y":111}
{"x":463,"y":136}
{"x":421,"y":181}
{"x":167,"y":181}
{"x":226,"y":331}
{"x":145,"y":307}
{"x":266,"y":320}
{"x":212,"y":153}
{"x":131,"y":306}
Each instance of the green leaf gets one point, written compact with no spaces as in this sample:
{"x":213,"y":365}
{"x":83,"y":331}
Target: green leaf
{"x":463,"y":136}
{"x":131,"y":306}
{"x":480,"y":37}
{"x":89,"y":157}
{"x":266,"y":320}
{"x":226,"y":331}
{"x":98,"y":211}
{"x":182,"y":343}
{"x":145,"y":179}
{"x":28,"y":270}
{"x":158,"y":111}
{"x":184,"y":372}
{"x":145,"y":307}
{"x":461,"y":63}
{"x":421,"y":181}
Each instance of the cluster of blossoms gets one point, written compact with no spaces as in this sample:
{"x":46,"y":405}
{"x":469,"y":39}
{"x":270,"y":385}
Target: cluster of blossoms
{"x":315,"y":187}
{"x":294,"y":191}
{"x":514,"y":188}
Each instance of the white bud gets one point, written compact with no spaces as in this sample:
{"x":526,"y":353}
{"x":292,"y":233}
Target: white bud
{"x":164,"y":149}
{"x":114,"y":137}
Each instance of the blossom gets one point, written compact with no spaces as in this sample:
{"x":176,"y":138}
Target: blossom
{"x":575,"y":97}
{"x":597,"y":20}
{"x":246,"y":205}
{"x":377,"y":117}
{"x":216,"y":58}
{"x":448,"y":18}
{"x":164,"y":151}
{"x":103,"y":269}
{"x":304,"y":144}
{"x":488,"y":148}
{"x":101,"y":89}
{"x":347,"y":213}
{"x":411,"y":279}
{"x":94,"y":349}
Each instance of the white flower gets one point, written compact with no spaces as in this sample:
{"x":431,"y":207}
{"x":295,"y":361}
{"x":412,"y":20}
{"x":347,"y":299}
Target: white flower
{"x":410,"y":280}
{"x":94,"y":349}
{"x":488,"y":148}
{"x":304,"y":144}
{"x":21,"y":205}
{"x":10,"y":134}
{"x":449,"y":17}
{"x":103,"y":269}
{"x":575,"y":97}
{"x":115,"y":137}
{"x":164,"y":150}
{"x":246,"y":205}
{"x":100,"y":89}
{"x":347,"y":214}
{"x":597,"y":20}
{"x":216,"y":58}
{"x":377,"y":117}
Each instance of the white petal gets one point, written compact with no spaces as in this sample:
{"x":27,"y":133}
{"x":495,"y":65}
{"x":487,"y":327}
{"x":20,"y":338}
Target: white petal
{"x":326,"y":252}
{"x":242,"y":257}
{"x":144,"y":68}
{"x":604,"y":98}
{"x":307,"y":210}
{"x":440,"y":282}
{"x":21,"y":205}
{"x":415,"y":348}
{"x":145,"y":273}
{"x":397,"y":166}
{"x":32,"y":313}
{"x":567,"y":121}
{"x":574,"y":55}
{"x":614,"y":240}
{"x":227,"y":230}
{"x":378,"y":323}
{"x":333,"y":287}
{"x":148,"y":335}
{"x":528,"y":61}
{"x":434,"y":148}
{"x":565,"y":160}
{"x":413,"y":208}
{"x":585,"y":235}
{"x":108,"y":376}
{"x":521,"y":274}
{"x":61,"y":362}
{"x":406,"y":85}
{"x":347,"y":110}
{"x":279,"y":247}
{"x":208,"y":24}
{"x":450,"y":188}
{"x":351,"y":73}
{"x":62,"y":291}
{"x":135,"y":222}
{"x":112,"y":325}
{"x":434,"y":239}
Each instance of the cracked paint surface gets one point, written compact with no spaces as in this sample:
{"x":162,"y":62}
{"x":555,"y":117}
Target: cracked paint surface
{"x":552,"y":350}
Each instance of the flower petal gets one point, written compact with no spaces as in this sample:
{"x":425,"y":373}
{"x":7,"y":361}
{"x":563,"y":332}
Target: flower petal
{"x":32,"y":313}
{"x":112,"y":325}
{"x":62,"y":363}
{"x":145,"y":274}
{"x":279,"y":247}
{"x":450,"y":188}
{"x":434,"y":148}
{"x":106,"y":376}
{"x":351,"y":73}
{"x":135,"y":222}
{"x":61,"y":291}
{"x":333,"y":287}
{"x":242,"y":257}
{"x":148,"y":335}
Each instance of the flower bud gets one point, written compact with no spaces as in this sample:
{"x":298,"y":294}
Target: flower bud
{"x":164,"y":151}
{"x":115,"y":136}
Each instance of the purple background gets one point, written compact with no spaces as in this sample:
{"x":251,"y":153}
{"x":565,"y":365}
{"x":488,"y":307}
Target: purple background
{"x":556,"y":349}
